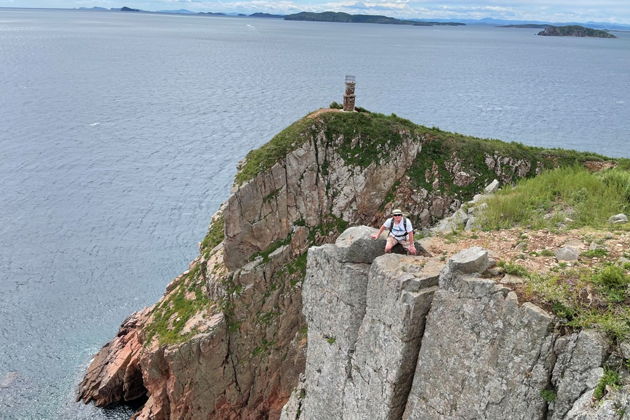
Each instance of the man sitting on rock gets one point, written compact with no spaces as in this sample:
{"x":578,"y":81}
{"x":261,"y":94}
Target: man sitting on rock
{"x":400,"y":232}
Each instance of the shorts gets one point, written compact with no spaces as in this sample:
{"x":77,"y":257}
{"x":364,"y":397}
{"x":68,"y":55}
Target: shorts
{"x":392,"y":241}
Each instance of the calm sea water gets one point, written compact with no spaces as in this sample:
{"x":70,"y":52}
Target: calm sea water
{"x":120,"y":134}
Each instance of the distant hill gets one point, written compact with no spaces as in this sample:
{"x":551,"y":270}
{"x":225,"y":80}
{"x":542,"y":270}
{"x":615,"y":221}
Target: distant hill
{"x":177,"y":12}
{"x":211,"y":14}
{"x":574,"y":30}
{"x":348,"y":18}
{"x":266,"y":15}
{"x":129,"y":9}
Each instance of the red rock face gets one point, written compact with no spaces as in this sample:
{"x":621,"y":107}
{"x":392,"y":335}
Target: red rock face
{"x":115,"y":375}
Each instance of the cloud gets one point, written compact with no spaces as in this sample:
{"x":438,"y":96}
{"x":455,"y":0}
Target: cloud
{"x":376,"y":7}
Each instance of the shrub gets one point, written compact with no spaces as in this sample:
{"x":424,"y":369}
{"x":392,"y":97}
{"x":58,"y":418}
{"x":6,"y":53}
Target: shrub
{"x":594,"y":253}
{"x":513,"y":269}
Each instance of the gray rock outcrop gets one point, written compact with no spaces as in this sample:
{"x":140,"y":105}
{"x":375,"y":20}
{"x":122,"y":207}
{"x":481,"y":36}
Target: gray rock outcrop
{"x":393,"y":339}
{"x":618,"y":218}
{"x":495,"y":353}
{"x":577,"y":369}
{"x":264,"y":209}
{"x":466,"y":217}
{"x":365,"y":322}
{"x":567,"y":253}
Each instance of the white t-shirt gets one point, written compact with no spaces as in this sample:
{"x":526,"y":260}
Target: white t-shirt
{"x":399,"y":231}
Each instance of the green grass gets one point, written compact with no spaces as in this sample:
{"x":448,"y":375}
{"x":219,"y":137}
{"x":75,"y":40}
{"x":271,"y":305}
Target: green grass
{"x":331,"y":225}
{"x":594,"y":253}
{"x":263,"y":349}
{"x":587,"y":199}
{"x":586,"y":297}
{"x":277,"y":148}
{"x":610,"y":378}
{"x":172,"y":314}
{"x":363,"y":138}
{"x":270,"y":249}
{"x":214,"y":236}
{"x":513,"y":269}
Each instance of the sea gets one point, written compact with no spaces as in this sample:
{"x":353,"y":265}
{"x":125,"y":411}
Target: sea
{"x":120,"y":134}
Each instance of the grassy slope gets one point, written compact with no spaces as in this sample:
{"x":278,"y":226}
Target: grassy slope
{"x":594,"y":291}
{"x":375,"y":134}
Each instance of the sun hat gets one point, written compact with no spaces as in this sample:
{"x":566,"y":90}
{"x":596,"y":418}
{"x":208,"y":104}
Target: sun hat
{"x":397,"y":212}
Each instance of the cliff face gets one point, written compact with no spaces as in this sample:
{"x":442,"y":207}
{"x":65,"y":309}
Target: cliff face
{"x":416,"y":338}
{"x":228,"y":338}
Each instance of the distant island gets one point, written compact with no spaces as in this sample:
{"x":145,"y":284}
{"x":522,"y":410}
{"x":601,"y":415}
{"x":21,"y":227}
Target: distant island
{"x":129,"y":9}
{"x":574,"y":30}
{"x":266,"y":15}
{"x":348,"y":18}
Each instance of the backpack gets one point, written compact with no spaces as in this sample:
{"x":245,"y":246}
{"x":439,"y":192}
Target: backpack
{"x":392,"y":226}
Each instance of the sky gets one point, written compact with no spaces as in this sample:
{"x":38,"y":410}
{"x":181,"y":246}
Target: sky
{"x":612,"y":11}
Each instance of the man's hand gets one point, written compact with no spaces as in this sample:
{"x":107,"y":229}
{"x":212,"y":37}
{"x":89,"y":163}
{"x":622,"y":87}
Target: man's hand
{"x":412,"y":250}
{"x":374,"y":236}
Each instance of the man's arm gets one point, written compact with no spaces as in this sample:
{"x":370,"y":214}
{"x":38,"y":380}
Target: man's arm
{"x":412,"y":246}
{"x":376,"y":235}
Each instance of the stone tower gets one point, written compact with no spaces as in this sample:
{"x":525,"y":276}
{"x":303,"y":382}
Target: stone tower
{"x":349,"y":97}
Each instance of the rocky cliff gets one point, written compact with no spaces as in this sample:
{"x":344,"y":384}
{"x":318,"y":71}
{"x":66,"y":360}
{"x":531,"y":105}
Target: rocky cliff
{"x":417,"y":338}
{"x":228,"y":338}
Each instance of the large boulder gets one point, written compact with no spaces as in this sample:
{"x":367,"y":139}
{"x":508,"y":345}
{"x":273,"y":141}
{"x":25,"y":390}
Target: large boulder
{"x":483,"y":355}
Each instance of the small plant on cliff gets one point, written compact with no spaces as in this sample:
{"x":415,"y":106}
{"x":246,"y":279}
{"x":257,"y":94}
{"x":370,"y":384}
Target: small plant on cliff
{"x":610,"y":379}
{"x":549,"y":395}
{"x":170,"y":316}
{"x":213,"y":237}
{"x":594,"y":253}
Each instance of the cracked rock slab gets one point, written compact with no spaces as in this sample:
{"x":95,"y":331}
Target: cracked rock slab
{"x":483,"y":355}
